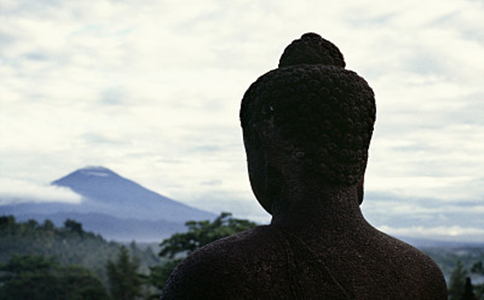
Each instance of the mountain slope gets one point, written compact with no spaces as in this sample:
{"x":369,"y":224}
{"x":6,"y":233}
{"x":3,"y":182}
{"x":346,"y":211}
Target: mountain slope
{"x":104,"y":191}
{"x":113,"y":206}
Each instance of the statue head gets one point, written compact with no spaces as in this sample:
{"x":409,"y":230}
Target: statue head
{"x":308,"y":119}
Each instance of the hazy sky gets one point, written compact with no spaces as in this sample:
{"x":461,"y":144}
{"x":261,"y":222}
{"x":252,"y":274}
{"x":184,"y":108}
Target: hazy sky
{"x":151,"y":90}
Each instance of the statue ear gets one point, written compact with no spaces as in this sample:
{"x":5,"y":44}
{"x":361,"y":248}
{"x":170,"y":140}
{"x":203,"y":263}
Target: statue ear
{"x":360,"y":189}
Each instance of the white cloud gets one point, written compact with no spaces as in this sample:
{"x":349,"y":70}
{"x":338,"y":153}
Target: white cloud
{"x":19,"y":191}
{"x":152,"y":90}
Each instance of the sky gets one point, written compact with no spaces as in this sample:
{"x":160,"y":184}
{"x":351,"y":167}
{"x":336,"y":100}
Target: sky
{"x":152,"y":89}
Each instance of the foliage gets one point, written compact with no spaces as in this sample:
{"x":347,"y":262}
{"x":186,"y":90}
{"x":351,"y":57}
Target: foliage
{"x":478,"y":268}
{"x":159,"y":274}
{"x":124,"y":281}
{"x":37,"y":277}
{"x":479,"y":290}
{"x":470,"y":259}
{"x":446,"y":257}
{"x":468,"y":293}
{"x":36,"y":260}
{"x":201,"y":233}
{"x":27,"y":263}
{"x":73,"y":226}
{"x":457,"y":282}
{"x":70,"y":245}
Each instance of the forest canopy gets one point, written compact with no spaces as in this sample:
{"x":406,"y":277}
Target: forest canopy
{"x":69,"y":263}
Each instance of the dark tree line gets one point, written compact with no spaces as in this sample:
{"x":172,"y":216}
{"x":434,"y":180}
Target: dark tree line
{"x":41,"y":261}
{"x":460,"y":284}
{"x":124,"y":280}
{"x":37,"y":277}
{"x":69,"y":244}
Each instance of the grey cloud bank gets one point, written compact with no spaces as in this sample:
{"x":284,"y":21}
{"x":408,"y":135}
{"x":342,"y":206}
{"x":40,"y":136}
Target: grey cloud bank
{"x":153,"y":92}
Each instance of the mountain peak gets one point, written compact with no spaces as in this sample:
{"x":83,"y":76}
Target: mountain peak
{"x":111,"y":193}
{"x":87,"y":173}
{"x":96,"y":171}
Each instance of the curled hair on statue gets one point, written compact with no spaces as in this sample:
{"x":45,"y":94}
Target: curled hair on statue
{"x":324,"y":111}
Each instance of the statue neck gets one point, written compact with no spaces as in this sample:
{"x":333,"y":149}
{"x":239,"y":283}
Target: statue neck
{"x":321,"y":208}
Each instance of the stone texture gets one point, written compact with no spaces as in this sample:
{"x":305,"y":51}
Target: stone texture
{"x":307,"y":128}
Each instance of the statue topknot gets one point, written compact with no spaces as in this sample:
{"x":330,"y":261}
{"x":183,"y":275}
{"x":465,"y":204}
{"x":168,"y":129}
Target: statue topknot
{"x":311,"y":48}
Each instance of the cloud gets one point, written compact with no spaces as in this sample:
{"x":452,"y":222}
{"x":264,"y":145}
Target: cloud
{"x":441,"y":233}
{"x":152,"y":90}
{"x":19,"y":191}
{"x":399,"y":213}
{"x":230,"y":201}
{"x":211,"y":182}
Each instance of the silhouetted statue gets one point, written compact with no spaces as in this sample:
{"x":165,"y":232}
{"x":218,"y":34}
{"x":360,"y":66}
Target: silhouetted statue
{"x":307,"y":127}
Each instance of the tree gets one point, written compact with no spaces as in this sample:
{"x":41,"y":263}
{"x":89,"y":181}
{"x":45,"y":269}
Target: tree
{"x":468,"y":291}
{"x":457,"y":282}
{"x":73,"y":226}
{"x":66,"y":245}
{"x":478,"y":268}
{"x":124,"y":281}
{"x":6,"y":221}
{"x":479,"y":290}
{"x":201,"y":233}
{"x":48,"y":225}
{"x":159,"y":274}
{"x":37,"y":277}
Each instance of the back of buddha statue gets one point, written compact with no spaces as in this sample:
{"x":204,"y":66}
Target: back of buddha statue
{"x":307,"y":127}
{"x":268,"y":263}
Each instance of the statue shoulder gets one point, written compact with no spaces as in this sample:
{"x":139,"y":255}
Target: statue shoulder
{"x":224,"y":269}
{"x":418,"y":270}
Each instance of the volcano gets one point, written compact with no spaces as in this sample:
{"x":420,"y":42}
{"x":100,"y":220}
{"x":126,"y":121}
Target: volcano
{"x":113,"y":206}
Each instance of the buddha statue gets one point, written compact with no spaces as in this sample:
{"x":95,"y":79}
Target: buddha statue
{"x":307,"y":127}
